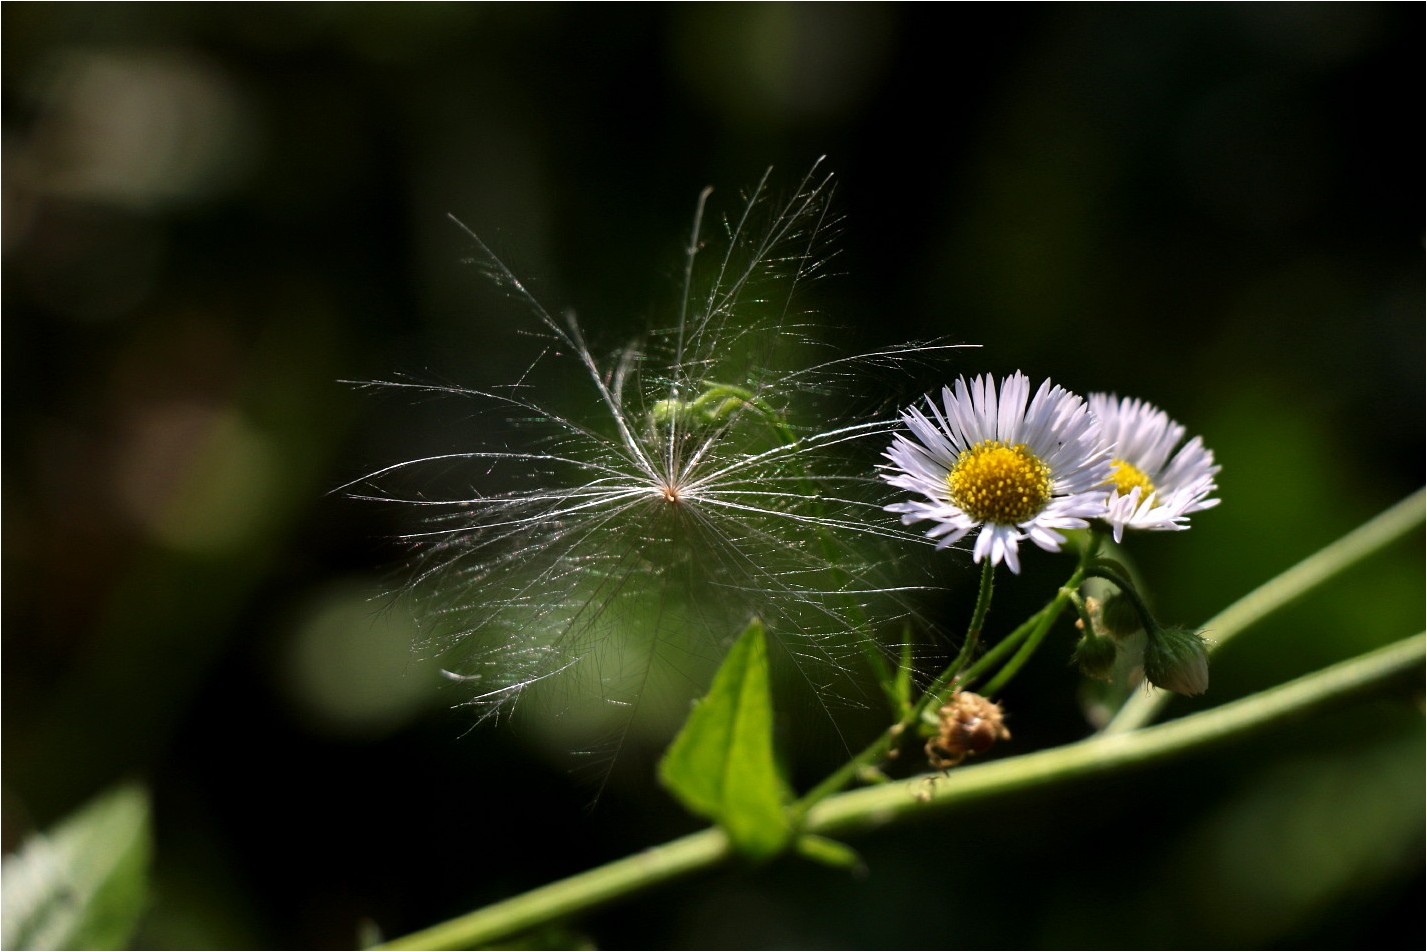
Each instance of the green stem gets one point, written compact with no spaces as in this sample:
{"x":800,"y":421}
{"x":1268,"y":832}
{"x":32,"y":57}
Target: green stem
{"x":973,"y":631}
{"x":1044,"y":620}
{"x":1003,"y":647}
{"x":1283,"y":589}
{"x":879,"y":748}
{"x":935,"y":691}
{"x":578,"y":893}
{"x":1083,"y":610}
{"x":872,"y":754}
{"x":875,"y":806}
{"x":1127,"y":589}
{"x":733,"y":397}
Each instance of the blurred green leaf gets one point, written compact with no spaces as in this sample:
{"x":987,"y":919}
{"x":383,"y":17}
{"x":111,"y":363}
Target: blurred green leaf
{"x":829,"y":852}
{"x":721,"y":764}
{"x":85,"y":883}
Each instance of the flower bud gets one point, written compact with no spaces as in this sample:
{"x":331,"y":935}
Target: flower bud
{"x":1095,"y":657}
{"x":1177,"y":659}
{"x":1118,"y":616}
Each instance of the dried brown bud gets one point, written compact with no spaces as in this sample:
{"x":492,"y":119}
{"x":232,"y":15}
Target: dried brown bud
{"x":969,"y":724}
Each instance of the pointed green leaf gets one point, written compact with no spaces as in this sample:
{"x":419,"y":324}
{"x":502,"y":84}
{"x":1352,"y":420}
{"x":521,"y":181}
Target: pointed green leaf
{"x":829,"y":852}
{"x":84,"y":885}
{"x":721,"y":765}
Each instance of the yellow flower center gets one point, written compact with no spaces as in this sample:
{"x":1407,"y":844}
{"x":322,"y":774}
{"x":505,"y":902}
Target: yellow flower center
{"x":999,"y":482}
{"x":1126,"y":476}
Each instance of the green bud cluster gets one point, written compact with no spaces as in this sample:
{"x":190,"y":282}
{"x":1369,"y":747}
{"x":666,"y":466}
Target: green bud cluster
{"x":1175,"y":659}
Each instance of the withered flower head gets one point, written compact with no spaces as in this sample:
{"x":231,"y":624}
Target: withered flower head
{"x":969,"y":724}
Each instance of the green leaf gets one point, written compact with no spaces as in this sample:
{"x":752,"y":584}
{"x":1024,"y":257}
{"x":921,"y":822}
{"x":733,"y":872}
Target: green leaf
{"x":721,"y":765}
{"x":85,"y":884}
{"x":829,"y":852}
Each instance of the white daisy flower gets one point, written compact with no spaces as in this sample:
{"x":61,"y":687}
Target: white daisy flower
{"x":1017,"y":471}
{"x":1151,"y":490}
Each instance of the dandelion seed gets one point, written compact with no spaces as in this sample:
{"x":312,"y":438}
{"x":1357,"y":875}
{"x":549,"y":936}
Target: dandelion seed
{"x":1151,"y":490}
{"x":988,"y":460}
{"x":627,"y":550}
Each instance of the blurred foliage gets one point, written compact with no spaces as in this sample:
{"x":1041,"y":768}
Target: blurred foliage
{"x":84,"y":884}
{"x":212,"y":213}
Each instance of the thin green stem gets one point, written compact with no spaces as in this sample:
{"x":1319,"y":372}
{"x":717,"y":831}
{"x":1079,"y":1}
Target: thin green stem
{"x":876,"y":806}
{"x":1003,"y":647}
{"x":941,"y":682}
{"x":973,"y":630}
{"x":885,"y":741}
{"x":870,"y":755}
{"x":1083,"y":610}
{"x":1127,"y":589}
{"x":1044,"y":620}
{"x":578,"y":893}
{"x":1283,"y":589}
{"x":983,"y":606}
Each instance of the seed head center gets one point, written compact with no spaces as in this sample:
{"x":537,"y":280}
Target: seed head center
{"x":999,"y":482}
{"x":1126,"y":476}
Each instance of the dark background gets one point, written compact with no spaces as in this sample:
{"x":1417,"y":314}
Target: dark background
{"x":214,"y":213}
